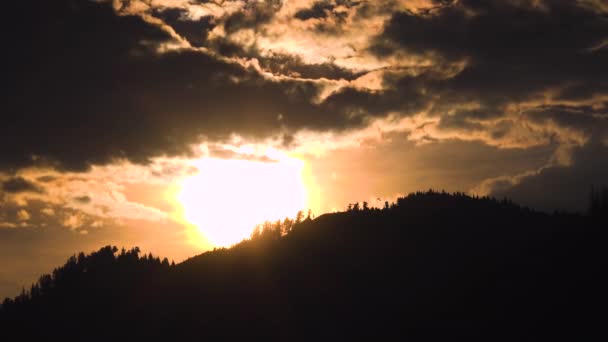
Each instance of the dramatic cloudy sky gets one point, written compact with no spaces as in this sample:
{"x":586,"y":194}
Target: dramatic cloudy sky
{"x":108,"y":105}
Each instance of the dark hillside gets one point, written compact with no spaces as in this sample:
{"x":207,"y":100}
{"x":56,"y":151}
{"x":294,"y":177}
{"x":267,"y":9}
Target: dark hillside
{"x":431,"y":266}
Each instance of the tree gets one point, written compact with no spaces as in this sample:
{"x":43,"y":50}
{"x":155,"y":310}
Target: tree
{"x":277,"y":229}
{"x":287,"y":225}
{"x":257,"y":232}
{"x":299,"y":216}
{"x":165,"y":262}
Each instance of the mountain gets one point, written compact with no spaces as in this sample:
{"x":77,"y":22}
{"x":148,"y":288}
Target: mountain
{"x":432,"y":266}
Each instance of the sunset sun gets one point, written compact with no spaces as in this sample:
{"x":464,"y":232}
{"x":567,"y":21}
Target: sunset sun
{"x":228,"y":198}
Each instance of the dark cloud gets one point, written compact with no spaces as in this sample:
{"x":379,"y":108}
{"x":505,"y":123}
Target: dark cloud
{"x":331,"y":14}
{"x":194,"y":31}
{"x":253,"y":15}
{"x":325,"y":8}
{"x":46,"y":179}
{"x":19,"y":184}
{"x":514,"y":49}
{"x":83,"y":199}
{"x":459,"y":122}
{"x":318,"y":10}
{"x":586,"y":119}
{"x":287,"y":65}
{"x":94,"y":82}
{"x":406,"y":99}
{"x":500,"y":30}
{"x":284,"y":64}
{"x":561,"y":187}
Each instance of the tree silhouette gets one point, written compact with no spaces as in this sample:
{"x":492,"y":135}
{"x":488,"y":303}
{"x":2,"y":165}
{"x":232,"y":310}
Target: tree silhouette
{"x":299,"y":216}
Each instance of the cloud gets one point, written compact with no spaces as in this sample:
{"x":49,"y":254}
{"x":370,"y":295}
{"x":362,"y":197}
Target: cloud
{"x":514,"y":55}
{"x":97,"y":224}
{"x":106,"y":194}
{"x":164,"y":76}
{"x":23,"y":215}
{"x":83,"y":199}
{"x":46,"y":178}
{"x":252,"y":15}
{"x":319,"y":9}
{"x":8,"y":225}
{"x":136,"y":102}
{"x":73,"y":221}
{"x":195,"y":31}
{"x":19,"y":185}
{"x":557,"y":187}
{"x":294,"y":66}
{"x":48,"y":211}
{"x":147,"y":95}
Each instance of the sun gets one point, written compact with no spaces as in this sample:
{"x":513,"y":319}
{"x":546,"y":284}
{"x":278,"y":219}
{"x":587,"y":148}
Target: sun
{"x":228,"y":198}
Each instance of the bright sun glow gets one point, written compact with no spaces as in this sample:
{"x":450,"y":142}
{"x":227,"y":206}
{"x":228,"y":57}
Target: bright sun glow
{"x":228,"y":198}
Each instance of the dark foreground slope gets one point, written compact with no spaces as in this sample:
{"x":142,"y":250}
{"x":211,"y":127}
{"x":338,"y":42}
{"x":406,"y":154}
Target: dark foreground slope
{"x":433,"y":267}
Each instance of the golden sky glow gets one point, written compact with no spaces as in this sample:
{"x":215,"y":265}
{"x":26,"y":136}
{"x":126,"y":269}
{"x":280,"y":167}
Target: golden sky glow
{"x":228,"y":198}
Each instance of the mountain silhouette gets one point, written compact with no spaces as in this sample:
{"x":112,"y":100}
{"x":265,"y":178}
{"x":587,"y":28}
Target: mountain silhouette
{"x":432,"y":266}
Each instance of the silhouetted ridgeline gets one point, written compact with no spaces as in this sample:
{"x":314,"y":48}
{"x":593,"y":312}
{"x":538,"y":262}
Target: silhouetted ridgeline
{"x":431,"y":266}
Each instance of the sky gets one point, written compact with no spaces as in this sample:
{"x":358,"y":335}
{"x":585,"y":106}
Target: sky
{"x":151,"y":123}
